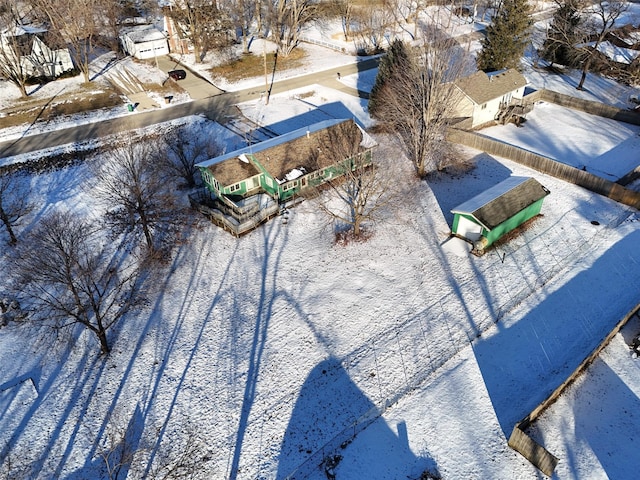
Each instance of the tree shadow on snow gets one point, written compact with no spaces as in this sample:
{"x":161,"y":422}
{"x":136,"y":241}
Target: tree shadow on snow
{"x":329,"y":412}
{"x":523,"y":363}
{"x":453,"y":189}
{"x":608,"y":427}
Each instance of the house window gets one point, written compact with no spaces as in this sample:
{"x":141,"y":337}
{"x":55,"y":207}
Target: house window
{"x":235,"y":187}
{"x":484,"y":105}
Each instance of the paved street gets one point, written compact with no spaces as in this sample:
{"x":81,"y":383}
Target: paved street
{"x":209,"y":101}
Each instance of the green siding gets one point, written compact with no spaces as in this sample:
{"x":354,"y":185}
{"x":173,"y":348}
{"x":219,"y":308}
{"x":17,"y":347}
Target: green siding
{"x":327,"y":173}
{"x":513,"y":222}
{"x":506,"y":226}
{"x":278,"y":190}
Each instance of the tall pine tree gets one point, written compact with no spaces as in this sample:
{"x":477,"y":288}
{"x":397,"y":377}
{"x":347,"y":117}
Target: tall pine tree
{"x":507,"y":37}
{"x":563,"y":35}
{"x":395,"y":58}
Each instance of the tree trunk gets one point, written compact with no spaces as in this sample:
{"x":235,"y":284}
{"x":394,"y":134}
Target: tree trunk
{"x":7,"y":224}
{"x":245,"y":43}
{"x":104,"y":343}
{"x":583,"y":77}
{"x":147,"y":233}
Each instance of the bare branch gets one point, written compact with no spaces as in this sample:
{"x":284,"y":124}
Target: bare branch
{"x":66,"y":277}
{"x":14,"y":204}
{"x":139,"y":198}
{"x":416,"y":103}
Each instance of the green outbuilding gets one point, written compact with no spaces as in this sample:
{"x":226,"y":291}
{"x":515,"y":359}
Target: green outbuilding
{"x":486,"y":217}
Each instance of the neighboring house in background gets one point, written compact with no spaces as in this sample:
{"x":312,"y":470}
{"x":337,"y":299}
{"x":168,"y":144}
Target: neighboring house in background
{"x":177,"y":43}
{"x":249,"y":185}
{"x":144,"y":42}
{"x":625,"y":62}
{"x":488,"y":216}
{"x":39,"y":53}
{"x":488,"y":97}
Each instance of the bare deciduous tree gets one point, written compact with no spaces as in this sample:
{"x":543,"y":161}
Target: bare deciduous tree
{"x":417,"y":101}
{"x":14,"y":204}
{"x":371,"y":21}
{"x":110,"y":14}
{"x":563,"y":34}
{"x":406,"y":12}
{"x":600,"y":19}
{"x":64,"y":275}
{"x":202,"y":23}
{"x":72,"y":22}
{"x":362,"y":188}
{"x":184,"y":460}
{"x":287,"y":18}
{"x":343,"y":9}
{"x":138,"y":196}
{"x":242,"y":14}
{"x":185,"y":150}
{"x":14,"y":63}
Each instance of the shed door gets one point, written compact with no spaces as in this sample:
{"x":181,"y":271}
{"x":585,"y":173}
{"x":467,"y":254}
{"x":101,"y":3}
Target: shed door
{"x":469,"y":229}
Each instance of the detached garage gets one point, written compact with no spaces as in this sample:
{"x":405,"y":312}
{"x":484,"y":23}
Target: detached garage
{"x":144,"y":42}
{"x":488,"y":216}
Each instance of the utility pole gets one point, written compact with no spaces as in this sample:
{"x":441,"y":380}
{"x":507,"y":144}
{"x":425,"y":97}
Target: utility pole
{"x":264,"y":53}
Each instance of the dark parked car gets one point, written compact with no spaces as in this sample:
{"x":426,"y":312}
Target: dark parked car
{"x":177,"y":74}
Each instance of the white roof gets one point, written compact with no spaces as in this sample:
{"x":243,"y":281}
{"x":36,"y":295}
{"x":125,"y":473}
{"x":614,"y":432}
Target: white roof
{"x":367,"y":141}
{"x":618,"y":54}
{"x":482,"y":199}
{"x":143,"y":33}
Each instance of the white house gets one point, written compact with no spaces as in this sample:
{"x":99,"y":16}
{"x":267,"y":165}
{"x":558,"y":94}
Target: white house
{"x":484,"y":96}
{"x":39,"y":55}
{"x":144,"y":42}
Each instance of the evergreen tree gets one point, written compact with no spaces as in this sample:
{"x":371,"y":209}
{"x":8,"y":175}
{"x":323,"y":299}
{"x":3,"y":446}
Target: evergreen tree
{"x":559,"y":47}
{"x":395,"y":58}
{"x":507,"y":37}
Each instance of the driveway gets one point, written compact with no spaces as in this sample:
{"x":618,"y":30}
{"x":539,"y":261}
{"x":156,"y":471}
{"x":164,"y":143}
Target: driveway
{"x":196,"y":86}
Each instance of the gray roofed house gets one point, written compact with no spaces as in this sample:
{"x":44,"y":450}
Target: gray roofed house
{"x":486,"y":217}
{"x":482,"y":96}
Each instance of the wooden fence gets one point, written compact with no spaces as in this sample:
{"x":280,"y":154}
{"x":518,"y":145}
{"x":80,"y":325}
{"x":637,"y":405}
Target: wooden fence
{"x":588,"y":106}
{"x":524,"y":444}
{"x":546,"y":165}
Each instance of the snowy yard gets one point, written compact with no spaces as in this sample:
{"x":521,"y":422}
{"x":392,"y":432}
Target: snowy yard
{"x":604,"y":147}
{"x":274,"y":349}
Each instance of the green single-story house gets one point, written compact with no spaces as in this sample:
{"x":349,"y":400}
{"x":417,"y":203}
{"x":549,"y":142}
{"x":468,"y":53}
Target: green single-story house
{"x":285,"y":165}
{"x":488,"y":216}
{"x":249,"y":186}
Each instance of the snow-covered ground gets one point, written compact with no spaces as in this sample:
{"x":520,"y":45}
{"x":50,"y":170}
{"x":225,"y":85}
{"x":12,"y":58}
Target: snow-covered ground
{"x":604,"y":147}
{"x":276,"y":348}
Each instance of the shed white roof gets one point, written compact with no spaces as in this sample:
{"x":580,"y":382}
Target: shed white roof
{"x":502,"y":201}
